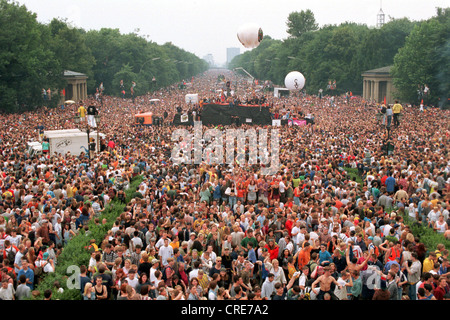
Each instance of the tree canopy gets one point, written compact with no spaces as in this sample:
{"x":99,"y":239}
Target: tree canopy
{"x":33,"y":57}
{"x":425,"y":60}
{"x":419,"y":52}
{"x":299,"y":23}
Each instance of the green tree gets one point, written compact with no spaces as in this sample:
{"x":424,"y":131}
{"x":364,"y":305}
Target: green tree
{"x":424,"y":60}
{"x":26,"y":65}
{"x":69,"y":47}
{"x":299,"y":23}
{"x":145,"y":59}
{"x":379,"y":46}
{"x":126,"y":75}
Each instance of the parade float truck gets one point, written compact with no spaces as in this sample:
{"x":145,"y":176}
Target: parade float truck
{"x":72,"y":140}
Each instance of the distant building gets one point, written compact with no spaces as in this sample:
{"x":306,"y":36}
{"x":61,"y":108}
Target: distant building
{"x":76,"y":88}
{"x":209,"y":59}
{"x":377,"y":85}
{"x":231,"y":53}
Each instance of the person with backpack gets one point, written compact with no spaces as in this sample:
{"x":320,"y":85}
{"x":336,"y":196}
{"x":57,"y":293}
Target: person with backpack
{"x":394,"y":253}
{"x":9,"y":252}
{"x":313,"y":265}
{"x":303,"y":255}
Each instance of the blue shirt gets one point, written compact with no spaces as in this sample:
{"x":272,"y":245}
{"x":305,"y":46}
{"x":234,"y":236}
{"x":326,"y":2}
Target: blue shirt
{"x":390,"y":184}
{"x":216,"y":194}
{"x":261,"y":219}
{"x":50,"y":193}
{"x":388,"y":264}
{"x":251,"y":255}
{"x":264,"y":271}
{"x":29,"y":274}
{"x":324,"y":256}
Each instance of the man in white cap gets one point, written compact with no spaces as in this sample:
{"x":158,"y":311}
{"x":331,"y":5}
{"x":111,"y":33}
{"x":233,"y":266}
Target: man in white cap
{"x":155,"y":266}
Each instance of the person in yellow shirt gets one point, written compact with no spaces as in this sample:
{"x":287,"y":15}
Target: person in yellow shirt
{"x":175,"y":243}
{"x":396,"y":109}
{"x":82,"y":112}
{"x":213,"y":175}
{"x":439,"y":250}
{"x":93,"y":244}
{"x":203,"y":279}
{"x":428,"y":262}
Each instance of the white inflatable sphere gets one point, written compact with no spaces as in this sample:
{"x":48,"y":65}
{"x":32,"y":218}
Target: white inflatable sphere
{"x":294,"y":81}
{"x":250,"y":35}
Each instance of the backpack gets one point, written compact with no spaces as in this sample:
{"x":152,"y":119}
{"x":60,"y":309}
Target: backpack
{"x":11,"y":255}
{"x":383,"y":110}
{"x":311,"y":265}
{"x":164,"y":273}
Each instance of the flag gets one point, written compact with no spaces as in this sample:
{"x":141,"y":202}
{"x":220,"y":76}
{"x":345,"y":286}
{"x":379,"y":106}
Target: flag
{"x":384,"y":99}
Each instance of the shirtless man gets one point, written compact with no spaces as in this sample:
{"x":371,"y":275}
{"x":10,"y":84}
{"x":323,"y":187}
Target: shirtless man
{"x":325,"y":281}
{"x":352,"y":264}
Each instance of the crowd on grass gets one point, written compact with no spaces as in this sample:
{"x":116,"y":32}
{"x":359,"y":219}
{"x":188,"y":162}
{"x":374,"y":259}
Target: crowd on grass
{"x":310,"y":231}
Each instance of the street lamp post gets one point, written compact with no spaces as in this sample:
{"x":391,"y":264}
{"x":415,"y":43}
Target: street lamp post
{"x":97,"y":122}
{"x":153,"y":59}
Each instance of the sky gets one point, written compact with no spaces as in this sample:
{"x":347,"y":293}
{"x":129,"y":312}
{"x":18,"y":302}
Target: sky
{"x":210,"y":26}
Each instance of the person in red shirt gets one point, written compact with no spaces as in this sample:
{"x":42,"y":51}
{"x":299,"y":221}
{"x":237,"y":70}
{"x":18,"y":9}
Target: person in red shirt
{"x":383,"y":180}
{"x":442,"y":289}
{"x":111,"y":145}
{"x":289,"y":224}
{"x":273,"y":249}
{"x":241,"y":189}
{"x":338,"y":203}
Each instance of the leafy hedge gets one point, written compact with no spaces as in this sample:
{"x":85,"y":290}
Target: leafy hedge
{"x":353,"y":173}
{"x":75,"y":254}
{"x":428,"y":236}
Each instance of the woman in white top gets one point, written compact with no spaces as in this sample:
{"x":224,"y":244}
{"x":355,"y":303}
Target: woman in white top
{"x":369,"y":228}
{"x":274,"y":267}
{"x":440,"y":225}
{"x":412,"y":211}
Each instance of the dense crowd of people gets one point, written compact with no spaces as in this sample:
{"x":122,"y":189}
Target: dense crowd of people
{"x":227,"y":232}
